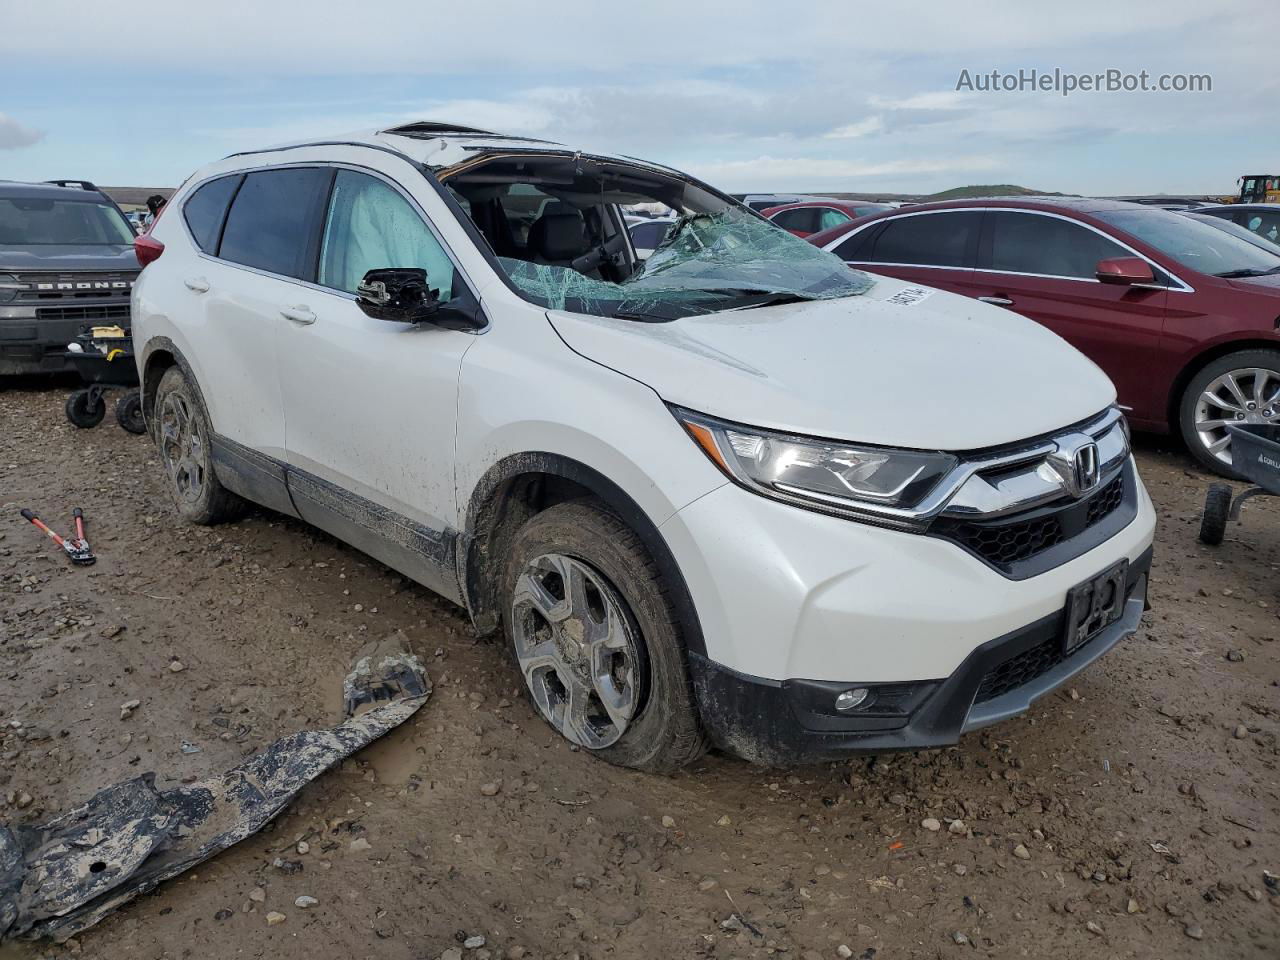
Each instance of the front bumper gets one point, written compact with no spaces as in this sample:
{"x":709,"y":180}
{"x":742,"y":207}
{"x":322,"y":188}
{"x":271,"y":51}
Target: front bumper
{"x":774,"y":723}
{"x":38,"y":344}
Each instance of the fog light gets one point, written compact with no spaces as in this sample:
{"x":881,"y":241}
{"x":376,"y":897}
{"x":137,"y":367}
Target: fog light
{"x":851,"y":699}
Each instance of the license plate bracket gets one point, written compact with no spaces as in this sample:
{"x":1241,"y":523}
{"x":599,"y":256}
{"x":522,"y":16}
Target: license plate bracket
{"x":1094,"y":605}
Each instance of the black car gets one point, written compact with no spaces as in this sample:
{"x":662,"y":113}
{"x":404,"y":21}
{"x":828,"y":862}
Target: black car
{"x":66,"y":264}
{"x":1261,"y":218}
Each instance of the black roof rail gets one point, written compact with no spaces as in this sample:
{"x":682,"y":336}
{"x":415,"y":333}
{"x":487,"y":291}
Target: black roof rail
{"x":82,"y":184}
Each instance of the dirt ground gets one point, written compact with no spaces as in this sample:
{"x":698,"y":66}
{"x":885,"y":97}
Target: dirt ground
{"x":1132,"y":815}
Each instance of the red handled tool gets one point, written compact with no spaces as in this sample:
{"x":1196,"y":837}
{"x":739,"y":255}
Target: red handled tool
{"x":77,"y":548}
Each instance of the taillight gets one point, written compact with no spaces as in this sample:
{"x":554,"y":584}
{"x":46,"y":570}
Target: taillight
{"x":147,"y":249}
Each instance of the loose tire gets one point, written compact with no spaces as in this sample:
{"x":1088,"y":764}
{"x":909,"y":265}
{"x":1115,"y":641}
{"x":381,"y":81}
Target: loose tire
{"x":182,"y":435}
{"x":1217,"y":508}
{"x":595,"y":636}
{"x":82,"y":412}
{"x":129,"y":413}
{"x":1242,"y":387}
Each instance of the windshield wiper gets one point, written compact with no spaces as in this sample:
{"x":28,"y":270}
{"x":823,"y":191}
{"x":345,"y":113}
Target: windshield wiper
{"x":1246,"y":272}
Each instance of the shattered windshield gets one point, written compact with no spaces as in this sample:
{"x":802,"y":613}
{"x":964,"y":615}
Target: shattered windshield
{"x":554,"y":228}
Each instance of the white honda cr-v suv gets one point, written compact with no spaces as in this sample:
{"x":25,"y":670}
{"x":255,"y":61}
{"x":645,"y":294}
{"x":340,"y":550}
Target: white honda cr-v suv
{"x":738,"y":494}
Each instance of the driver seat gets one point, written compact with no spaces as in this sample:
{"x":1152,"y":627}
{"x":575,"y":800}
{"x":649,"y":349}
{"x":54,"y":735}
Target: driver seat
{"x":558,"y":238}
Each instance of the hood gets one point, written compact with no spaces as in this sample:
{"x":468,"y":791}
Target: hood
{"x":67,"y":257}
{"x":900,"y":365}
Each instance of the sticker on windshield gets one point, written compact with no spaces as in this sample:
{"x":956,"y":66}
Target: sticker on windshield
{"x":910,"y":295}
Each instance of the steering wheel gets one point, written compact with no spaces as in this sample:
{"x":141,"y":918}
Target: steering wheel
{"x":608,"y":252}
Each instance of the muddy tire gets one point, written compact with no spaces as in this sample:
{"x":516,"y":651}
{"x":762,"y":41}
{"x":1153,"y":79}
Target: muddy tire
{"x":594,"y":634}
{"x":1217,"y":508}
{"x":182,"y":435}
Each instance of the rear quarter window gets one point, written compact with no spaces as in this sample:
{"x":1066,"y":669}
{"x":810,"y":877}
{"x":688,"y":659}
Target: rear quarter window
{"x":274,"y":221}
{"x":206,"y":208}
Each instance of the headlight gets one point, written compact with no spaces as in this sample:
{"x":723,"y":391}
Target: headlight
{"x":822,"y":474}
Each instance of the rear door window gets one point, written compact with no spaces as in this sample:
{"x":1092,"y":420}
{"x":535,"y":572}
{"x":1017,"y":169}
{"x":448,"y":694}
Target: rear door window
{"x":1048,"y":246}
{"x":206,"y":208}
{"x":928,"y":240}
{"x":273,"y":224}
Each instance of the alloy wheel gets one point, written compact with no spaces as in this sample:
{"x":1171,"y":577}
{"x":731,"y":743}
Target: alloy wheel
{"x":183,"y":448}
{"x":1248,"y":395}
{"x":578,"y":650}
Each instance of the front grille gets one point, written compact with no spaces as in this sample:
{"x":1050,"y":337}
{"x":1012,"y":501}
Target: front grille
{"x":1020,"y":669}
{"x":111,"y":312}
{"x":1104,"y":503}
{"x":1008,"y":541}
{"x":64,"y":287}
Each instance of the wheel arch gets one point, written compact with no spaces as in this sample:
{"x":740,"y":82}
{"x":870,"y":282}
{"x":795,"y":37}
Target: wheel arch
{"x":159,"y":355}
{"x":1202,"y":360}
{"x":522,"y":485}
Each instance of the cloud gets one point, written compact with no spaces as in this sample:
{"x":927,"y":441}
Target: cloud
{"x":851,"y":131}
{"x":14,"y":135}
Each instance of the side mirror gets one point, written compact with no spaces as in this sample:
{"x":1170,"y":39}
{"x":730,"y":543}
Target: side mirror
{"x":1125,"y":271}
{"x":398,"y":295}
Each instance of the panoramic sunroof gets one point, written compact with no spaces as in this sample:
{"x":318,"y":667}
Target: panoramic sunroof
{"x":431,"y":129}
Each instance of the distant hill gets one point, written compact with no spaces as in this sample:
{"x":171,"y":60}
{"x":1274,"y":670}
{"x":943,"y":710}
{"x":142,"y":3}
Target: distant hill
{"x":990,"y":190}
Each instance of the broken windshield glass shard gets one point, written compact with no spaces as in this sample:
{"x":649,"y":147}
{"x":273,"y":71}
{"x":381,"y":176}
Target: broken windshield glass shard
{"x":706,"y":262}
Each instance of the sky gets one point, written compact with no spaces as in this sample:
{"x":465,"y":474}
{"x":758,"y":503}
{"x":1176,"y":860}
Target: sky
{"x":750,"y":96}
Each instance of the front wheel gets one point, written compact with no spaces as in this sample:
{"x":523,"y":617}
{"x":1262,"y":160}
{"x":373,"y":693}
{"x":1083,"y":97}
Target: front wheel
{"x":597,"y":641}
{"x":1242,"y":387}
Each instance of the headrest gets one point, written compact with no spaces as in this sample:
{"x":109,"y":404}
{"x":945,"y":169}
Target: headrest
{"x":558,"y":236}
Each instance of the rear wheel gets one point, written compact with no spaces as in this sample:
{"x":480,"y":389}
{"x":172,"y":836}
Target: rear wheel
{"x":596,"y":639}
{"x":183,"y":435}
{"x":1242,"y":387}
{"x":82,"y":412}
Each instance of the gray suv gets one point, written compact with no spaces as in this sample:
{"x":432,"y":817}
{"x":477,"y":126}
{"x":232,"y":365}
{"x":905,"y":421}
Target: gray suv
{"x":66,"y":263}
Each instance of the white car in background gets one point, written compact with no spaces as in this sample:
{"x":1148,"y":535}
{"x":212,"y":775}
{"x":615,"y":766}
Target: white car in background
{"x":739,"y":494}
{"x":648,"y":234}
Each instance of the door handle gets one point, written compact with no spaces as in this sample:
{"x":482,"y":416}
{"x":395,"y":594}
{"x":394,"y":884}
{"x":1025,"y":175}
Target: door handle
{"x":998,"y":301}
{"x":196,"y":284}
{"x":299,"y":314}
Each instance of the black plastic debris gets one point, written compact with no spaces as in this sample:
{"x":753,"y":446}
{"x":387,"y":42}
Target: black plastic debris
{"x":63,"y":876}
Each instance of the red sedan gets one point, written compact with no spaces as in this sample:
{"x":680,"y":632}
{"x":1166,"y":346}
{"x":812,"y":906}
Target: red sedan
{"x":1183,"y":317}
{"x":810,"y":216}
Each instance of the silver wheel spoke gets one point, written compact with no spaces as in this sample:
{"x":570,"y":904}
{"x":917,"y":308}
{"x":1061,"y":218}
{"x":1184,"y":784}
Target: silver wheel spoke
{"x":578,"y":724}
{"x":1229,"y":381}
{"x":1215,"y":401}
{"x":1260,"y":378}
{"x":1219,"y":445}
{"x":531,"y":590}
{"x":577,"y":649}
